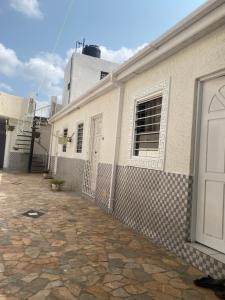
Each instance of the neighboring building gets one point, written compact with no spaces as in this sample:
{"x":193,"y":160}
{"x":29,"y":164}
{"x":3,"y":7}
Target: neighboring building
{"x":83,"y":71}
{"x":12,"y":109}
{"x":147,"y":143}
{"x":17,"y":117}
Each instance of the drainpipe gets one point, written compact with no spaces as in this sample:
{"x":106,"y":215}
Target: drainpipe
{"x":116,"y":146}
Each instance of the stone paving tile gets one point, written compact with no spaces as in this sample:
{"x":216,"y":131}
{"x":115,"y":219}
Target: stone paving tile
{"x":76,"y":251}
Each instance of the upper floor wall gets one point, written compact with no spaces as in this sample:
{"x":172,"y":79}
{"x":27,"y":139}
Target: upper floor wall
{"x":82,"y":72}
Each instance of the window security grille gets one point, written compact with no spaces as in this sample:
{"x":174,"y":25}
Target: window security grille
{"x":80,"y":133}
{"x":65,"y":133}
{"x":147,"y":127}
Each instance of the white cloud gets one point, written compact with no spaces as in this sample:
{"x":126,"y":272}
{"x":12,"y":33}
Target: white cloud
{"x":117,"y":56}
{"x":44,"y":72}
{"x":5,"y":87}
{"x":120,"y":55}
{"x":70,"y":52}
{"x":30,"y":8}
{"x":42,"y":108}
{"x":8,"y":61}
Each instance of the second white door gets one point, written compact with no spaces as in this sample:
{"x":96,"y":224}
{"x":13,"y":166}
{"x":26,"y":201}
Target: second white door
{"x":96,"y":136}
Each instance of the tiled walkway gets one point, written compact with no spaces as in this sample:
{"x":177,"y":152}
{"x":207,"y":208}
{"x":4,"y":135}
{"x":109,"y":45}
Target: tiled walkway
{"x":76,"y":251}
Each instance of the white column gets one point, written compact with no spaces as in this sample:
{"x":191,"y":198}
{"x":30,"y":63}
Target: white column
{"x":7,"y":149}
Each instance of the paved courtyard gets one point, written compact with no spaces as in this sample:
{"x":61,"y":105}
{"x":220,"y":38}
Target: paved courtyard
{"x":76,"y":251}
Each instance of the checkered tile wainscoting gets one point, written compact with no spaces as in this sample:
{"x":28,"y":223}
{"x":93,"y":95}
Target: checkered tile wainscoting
{"x":154,"y":203}
{"x":204,"y":262}
{"x":103,"y":185}
{"x":52,"y":164}
{"x":86,"y":184}
{"x":71,"y":170}
{"x":18,"y":161}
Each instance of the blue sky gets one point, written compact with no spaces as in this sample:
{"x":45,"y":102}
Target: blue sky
{"x":29,"y":29}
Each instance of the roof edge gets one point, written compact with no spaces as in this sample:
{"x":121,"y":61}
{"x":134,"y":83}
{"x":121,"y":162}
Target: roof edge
{"x":186,"y":22}
{"x":165,"y":39}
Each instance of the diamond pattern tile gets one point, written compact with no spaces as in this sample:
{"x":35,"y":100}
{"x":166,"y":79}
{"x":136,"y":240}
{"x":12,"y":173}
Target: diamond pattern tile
{"x":154,"y":203}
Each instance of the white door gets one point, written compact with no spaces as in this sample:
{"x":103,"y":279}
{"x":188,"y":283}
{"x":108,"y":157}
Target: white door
{"x":211,"y":176}
{"x":96,"y":136}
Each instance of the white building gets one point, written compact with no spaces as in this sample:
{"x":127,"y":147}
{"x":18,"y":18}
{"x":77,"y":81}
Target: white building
{"x":12,"y":109}
{"x":148,"y":142}
{"x":16,"y":120}
{"x":82,"y":72}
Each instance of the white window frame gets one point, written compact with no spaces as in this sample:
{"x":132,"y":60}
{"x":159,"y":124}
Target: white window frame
{"x":156,"y":158}
{"x":79,"y":153}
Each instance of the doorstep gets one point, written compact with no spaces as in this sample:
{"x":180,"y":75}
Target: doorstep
{"x":209,"y":251}
{"x":206,"y":259}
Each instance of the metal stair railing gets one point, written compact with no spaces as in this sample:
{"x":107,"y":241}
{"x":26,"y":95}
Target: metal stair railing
{"x":28,"y":129}
{"x":40,"y":119}
{"x":24,"y":125}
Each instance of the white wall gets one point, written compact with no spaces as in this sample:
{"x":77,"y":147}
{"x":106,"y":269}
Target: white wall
{"x":183,"y":69}
{"x":85,"y":73}
{"x":43,"y":141}
{"x":106,"y":105}
{"x":12,"y":106}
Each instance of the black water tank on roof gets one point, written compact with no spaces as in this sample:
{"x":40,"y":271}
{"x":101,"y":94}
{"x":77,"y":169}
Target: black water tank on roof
{"x":92,"y":50}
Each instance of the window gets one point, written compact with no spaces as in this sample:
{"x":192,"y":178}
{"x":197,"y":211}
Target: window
{"x":103,"y":74}
{"x":68,"y":86}
{"x":65,"y":133}
{"x":147,"y":127}
{"x":80,"y":133}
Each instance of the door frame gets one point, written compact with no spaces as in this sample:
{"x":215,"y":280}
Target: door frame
{"x":91,"y":135}
{"x":195,"y":149}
